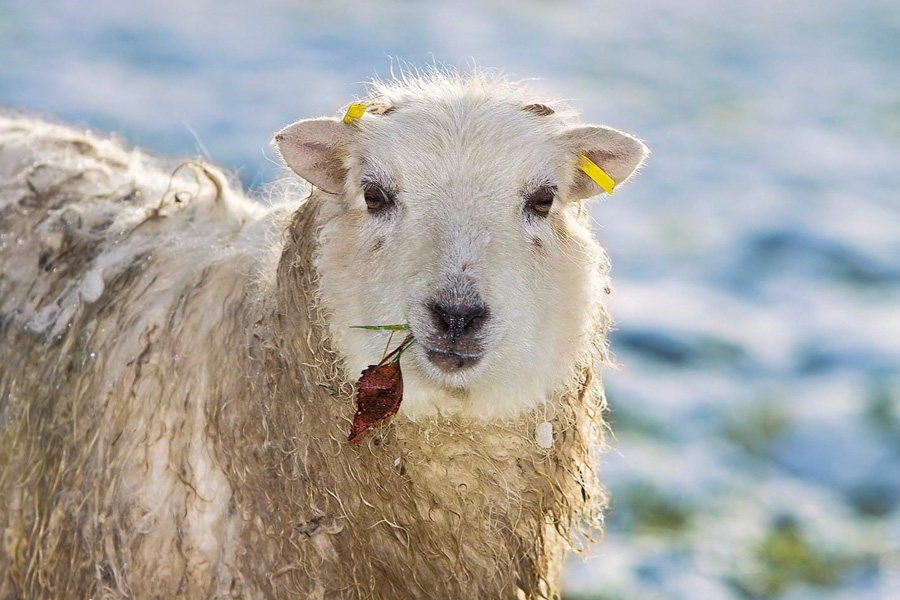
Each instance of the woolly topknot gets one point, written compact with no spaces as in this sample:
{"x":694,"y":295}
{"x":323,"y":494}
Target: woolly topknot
{"x":439,"y":86}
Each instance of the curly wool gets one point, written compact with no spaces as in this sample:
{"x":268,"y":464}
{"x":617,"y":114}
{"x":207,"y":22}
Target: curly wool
{"x":173,"y":415}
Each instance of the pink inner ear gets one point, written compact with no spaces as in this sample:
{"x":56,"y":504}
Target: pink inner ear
{"x":333,"y":170}
{"x":601,"y":158}
{"x":310,"y":148}
{"x":617,"y":154}
{"x":319,"y":164}
{"x":618,"y":167}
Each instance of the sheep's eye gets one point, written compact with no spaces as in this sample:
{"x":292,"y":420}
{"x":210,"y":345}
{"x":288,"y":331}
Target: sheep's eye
{"x":376,"y":198}
{"x":541,"y":200}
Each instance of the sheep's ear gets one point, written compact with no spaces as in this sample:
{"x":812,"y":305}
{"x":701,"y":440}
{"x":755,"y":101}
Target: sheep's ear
{"x":313,"y":149}
{"x":617,"y":153}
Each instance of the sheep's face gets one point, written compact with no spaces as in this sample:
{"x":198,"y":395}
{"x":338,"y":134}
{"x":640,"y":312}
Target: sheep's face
{"x":461,"y":216}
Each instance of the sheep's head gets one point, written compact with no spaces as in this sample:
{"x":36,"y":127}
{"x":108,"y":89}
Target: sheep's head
{"x":459,"y":211}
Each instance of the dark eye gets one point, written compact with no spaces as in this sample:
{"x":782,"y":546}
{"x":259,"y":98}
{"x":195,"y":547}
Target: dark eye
{"x":541,"y":200}
{"x":376,"y":198}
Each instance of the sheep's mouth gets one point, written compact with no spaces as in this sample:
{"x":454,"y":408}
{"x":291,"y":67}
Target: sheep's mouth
{"x":451,"y":362}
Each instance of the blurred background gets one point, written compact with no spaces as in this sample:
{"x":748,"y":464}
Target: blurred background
{"x":757,"y":258}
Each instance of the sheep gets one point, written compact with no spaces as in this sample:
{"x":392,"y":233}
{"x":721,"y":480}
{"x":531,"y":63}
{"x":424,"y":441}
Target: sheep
{"x":178,"y":361}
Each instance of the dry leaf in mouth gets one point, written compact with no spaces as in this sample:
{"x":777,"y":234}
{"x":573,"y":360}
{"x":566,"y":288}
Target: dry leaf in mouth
{"x":379,"y":391}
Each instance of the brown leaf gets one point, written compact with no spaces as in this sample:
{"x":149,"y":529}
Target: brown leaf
{"x":379,"y":392}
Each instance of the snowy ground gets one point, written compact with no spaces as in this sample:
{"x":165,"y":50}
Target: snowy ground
{"x":757,"y":259}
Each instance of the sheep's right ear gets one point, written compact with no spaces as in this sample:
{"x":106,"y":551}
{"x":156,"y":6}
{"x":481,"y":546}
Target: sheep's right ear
{"x":313,"y":149}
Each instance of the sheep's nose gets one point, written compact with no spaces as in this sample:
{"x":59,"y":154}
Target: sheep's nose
{"x":459,"y":320}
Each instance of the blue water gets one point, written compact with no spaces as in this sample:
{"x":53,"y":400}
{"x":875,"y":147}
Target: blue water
{"x":756,"y":260}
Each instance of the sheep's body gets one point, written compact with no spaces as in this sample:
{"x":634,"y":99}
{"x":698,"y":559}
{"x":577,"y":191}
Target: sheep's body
{"x":109,"y":306}
{"x":173,"y":417}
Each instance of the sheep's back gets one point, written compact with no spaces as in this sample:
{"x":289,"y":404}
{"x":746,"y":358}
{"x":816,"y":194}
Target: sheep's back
{"x":77,"y":210}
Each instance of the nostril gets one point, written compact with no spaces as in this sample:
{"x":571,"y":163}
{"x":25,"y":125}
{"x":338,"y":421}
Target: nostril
{"x":447,"y":316}
{"x":458,"y":318}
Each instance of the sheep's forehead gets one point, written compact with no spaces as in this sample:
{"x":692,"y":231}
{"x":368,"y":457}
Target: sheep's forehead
{"x":465,"y":139}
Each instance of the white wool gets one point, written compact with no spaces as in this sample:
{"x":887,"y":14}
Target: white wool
{"x":543,"y":434}
{"x":92,"y":285}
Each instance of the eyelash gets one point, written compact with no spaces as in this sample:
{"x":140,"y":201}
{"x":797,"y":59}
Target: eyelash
{"x":540,"y":201}
{"x":377,"y":198}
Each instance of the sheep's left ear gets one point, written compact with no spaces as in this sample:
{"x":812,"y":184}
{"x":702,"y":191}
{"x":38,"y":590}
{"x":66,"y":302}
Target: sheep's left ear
{"x":313,"y":149}
{"x":617,"y":153}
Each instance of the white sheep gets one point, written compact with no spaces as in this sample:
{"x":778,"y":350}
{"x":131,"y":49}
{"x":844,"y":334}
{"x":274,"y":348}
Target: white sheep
{"x":177,"y":362}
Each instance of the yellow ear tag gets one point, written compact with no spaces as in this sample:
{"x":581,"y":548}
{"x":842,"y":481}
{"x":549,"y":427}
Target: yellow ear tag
{"x":597,"y":174}
{"x":354,"y":112}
